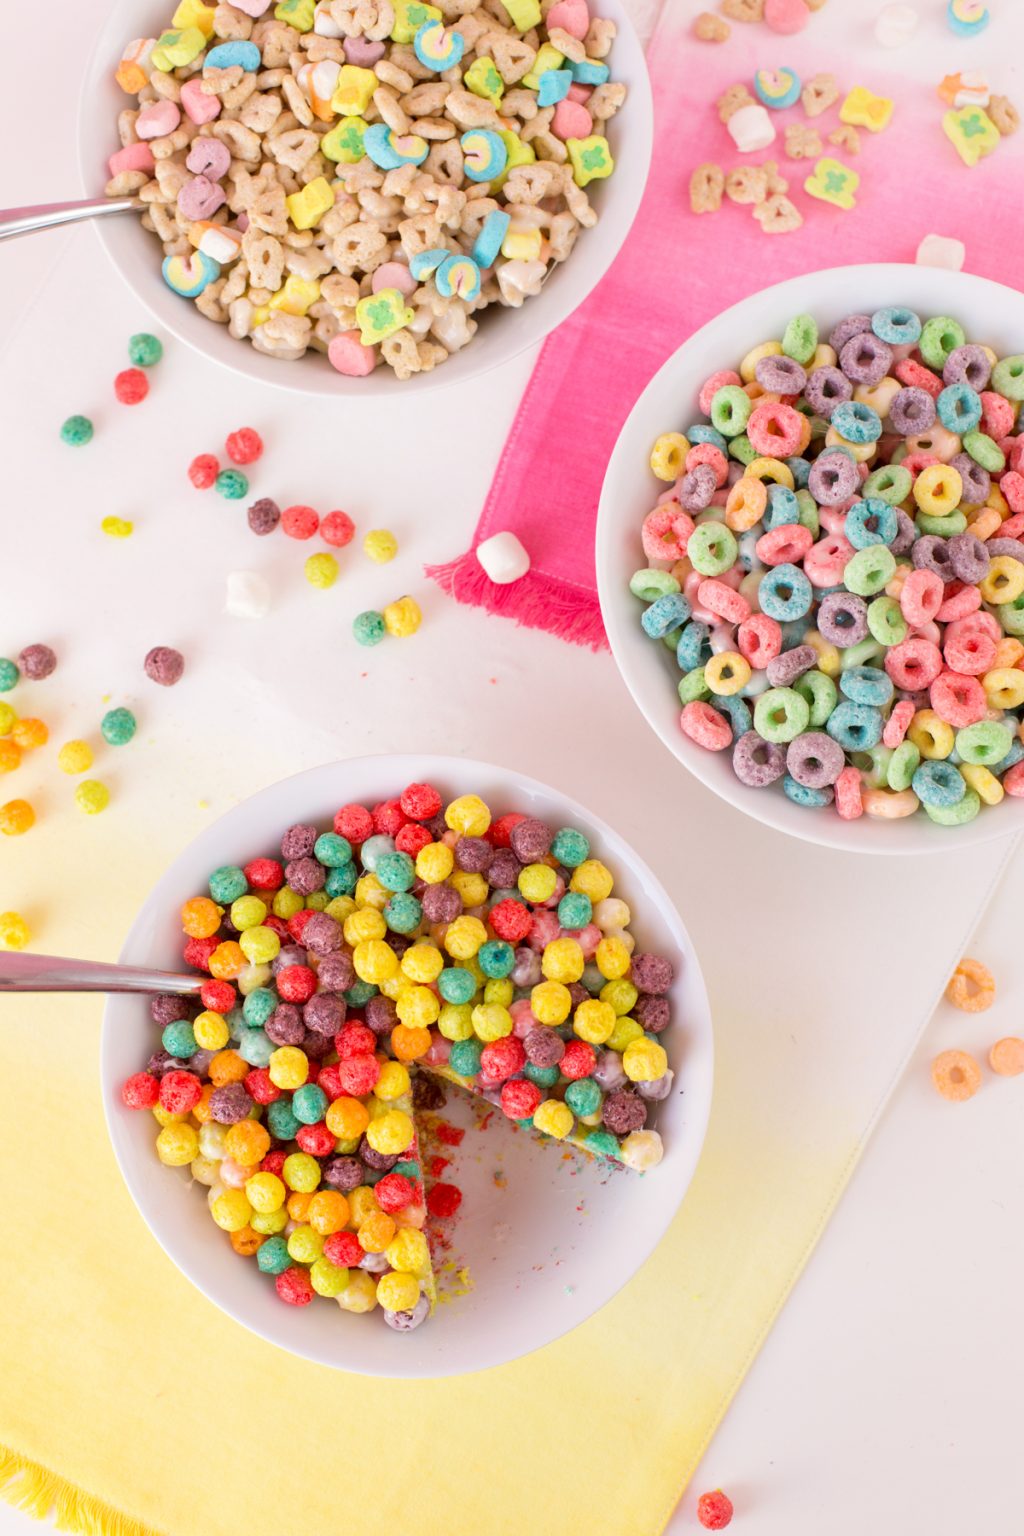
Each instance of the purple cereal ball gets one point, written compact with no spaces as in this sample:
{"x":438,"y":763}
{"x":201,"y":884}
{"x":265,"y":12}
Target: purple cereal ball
{"x":608,"y":1072}
{"x":399,"y":942}
{"x":316,"y":1046}
{"x":651,"y":973}
{"x":865,"y":359}
{"x":757,"y":763}
{"x":827,"y":388}
{"x":305,"y":875}
{"x":343,"y":1173}
{"x":336,"y":972}
{"x":530,"y":840}
{"x":833,"y":478}
{"x":164,"y":665}
{"x":814,"y":759}
{"x":161,"y":1062}
{"x":905,"y":535}
{"x":526,"y":972}
{"x":912,"y":411}
{"x":853,"y":325}
{"x":285,"y":1026}
{"x":436,"y":826}
{"x":380,"y":1014}
{"x":968,"y":365}
{"x":784,"y":669}
{"x":578,"y":994}
{"x":427,"y":1094}
{"x":696,"y":488}
{"x":1012,"y":547}
{"x":842,"y":618}
{"x":977,"y":482}
{"x":199,"y":1062}
{"x":322,"y":934}
{"x":288,"y":954}
{"x":969,"y":558}
{"x":441,"y":904}
{"x":504,"y":870}
{"x":37,"y":662}
{"x":931,"y":553}
{"x":380,"y":1162}
{"x":473,"y":854}
{"x":264,"y":515}
{"x":658,"y":1089}
{"x":324,"y":1014}
{"x":653,"y":1013}
{"x":544,"y":1047}
{"x":781,"y":375}
{"x":624,"y":1111}
{"x":298,"y":841}
{"x":165,"y":1009}
{"x":230,"y":1104}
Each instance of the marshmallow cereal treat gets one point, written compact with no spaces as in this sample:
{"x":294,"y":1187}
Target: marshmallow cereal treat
{"x":408,"y":937}
{"x":836,"y":563}
{"x":362,"y":178}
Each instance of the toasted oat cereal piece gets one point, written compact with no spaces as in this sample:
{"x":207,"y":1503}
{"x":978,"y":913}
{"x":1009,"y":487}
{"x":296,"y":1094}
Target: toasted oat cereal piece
{"x":776,"y":183}
{"x":710,"y":28}
{"x":802,"y":143}
{"x":972,"y":987}
{"x":819,"y":93}
{"x":747,"y":184}
{"x":732,"y":100}
{"x":846,"y":137}
{"x":743,"y":10}
{"x":706,"y":187}
{"x":1007,"y":1056}
{"x":956,"y":1075}
{"x":1004,"y":114}
{"x":777,"y":215}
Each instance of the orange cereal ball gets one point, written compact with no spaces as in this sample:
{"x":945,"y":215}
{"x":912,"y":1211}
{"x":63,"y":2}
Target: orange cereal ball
{"x":956,"y":1075}
{"x":200,"y":917}
{"x":227,"y":961}
{"x":10,"y":755}
{"x":30,"y":733}
{"x":248,"y":1142}
{"x":245,"y":1241}
{"x":226,"y":1067}
{"x":1007,"y":1056}
{"x":347,"y":1118}
{"x":298,"y":1203}
{"x":376,"y":1232}
{"x":16,"y":817}
{"x":328,"y":1212}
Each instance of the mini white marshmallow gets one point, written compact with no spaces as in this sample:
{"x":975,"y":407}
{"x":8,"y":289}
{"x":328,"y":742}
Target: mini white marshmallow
{"x":503,"y":558}
{"x":751,"y":128}
{"x":941,"y":251}
{"x":895,"y":25}
{"x":248,"y":596}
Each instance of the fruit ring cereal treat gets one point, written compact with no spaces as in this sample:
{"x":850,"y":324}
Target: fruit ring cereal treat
{"x":407,"y":938}
{"x":362,"y":180}
{"x":837,"y":565}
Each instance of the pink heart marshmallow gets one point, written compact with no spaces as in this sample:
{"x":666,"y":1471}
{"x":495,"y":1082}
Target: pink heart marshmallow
{"x":347,"y":353}
{"x":199,"y":105}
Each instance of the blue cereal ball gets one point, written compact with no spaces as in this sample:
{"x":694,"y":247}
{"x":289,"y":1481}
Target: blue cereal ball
{"x":178,"y":1039}
{"x":227,"y":55}
{"x":76,"y":431}
{"x":856,"y":727}
{"x":231,"y":484}
{"x":369,"y":627}
{"x":465,"y":1057}
{"x":332,"y":850}
{"x":959,"y":408}
{"x":496,"y":959}
{"x":117,"y":727}
{"x":456,"y":985}
{"x":228,"y":883}
{"x":602,"y":1144}
{"x":570,"y":847}
{"x":403,"y":913}
{"x":258,"y":1007}
{"x":857,"y":422}
{"x":897,"y":327}
{"x":583,"y":1097}
{"x":273,"y":1257}
{"x":281,"y":1122}
{"x":9,"y":674}
{"x":255,"y":1048}
{"x":341,"y":881}
{"x":144,"y":350}
{"x":871,"y":521}
{"x":938,"y":783}
{"x":785,"y":593}
{"x":866,"y":685}
{"x":574,"y":910}
{"x":309,"y":1104}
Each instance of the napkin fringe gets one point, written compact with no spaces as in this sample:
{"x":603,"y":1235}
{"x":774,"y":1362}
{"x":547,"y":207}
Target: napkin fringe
{"x":535,"y":601}
{"x":38,"y":1492}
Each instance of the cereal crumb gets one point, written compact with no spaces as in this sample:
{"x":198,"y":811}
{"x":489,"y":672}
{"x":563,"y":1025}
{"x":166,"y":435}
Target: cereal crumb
{"x":117,"y":527}
{"x":706,"y":186}
{"x":777,"y":215}
{"x":846,"y":137}
{"x":710,"y":28}
{"x":747,"y":184}
{"x":743,"y":10}
{"x":802,"y":143}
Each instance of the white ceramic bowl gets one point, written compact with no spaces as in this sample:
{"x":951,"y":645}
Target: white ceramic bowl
{"x":503,"y":333}
{"x":989,"y":312}
{"x":543,"y":1217}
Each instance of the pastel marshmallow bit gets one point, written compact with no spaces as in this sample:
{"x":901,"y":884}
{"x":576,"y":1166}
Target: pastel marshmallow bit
{"x":786,"y":16}
{"x":157,"y":119}
{"x":503,"y":558}
{"x":253,"y":8}
{"x":218,"y":241}
{"x":941,"y":251}
{"x":248,"y":595}
{"x":199,"y":106}
{"x":133,"y":157}
{"x":895,"y":25}
{"x":199,"y":198}
{"x":393,"y":274}
{"x":349,"y":356}
{"x":573,"y":16}
{"x":362,"y":52}
{"x":208,"y":157}
{"x":751,"y":128}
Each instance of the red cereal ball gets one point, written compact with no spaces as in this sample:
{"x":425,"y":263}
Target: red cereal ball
{"x":296,"y":983}
{"x":578,"y":1060}
{"x":502,"y":1058}
{"x":259,"y":1087}
{"x":411,"y":838}
{"x":353,"y":822}
{"x":520,"y":1098}
{"x":274,"y":1161}
{"x":420,"y":801}
{"x":354,"y":1039}
{"x":180,"y":1092}
{"x":244,"y":446}
{"x":444,"y":1200}
{"x":389,"y":818}
{"x":510,"y":920}
{"x":359,"y":1074}
{"x":203,"y":471}
{"x":197,"y":952}
{"x":330,"y":1082}
{"x":297,"y":923}
{"x":264,"y":874}
{"x":295,"y":1287}
{"x":131,"y":386}
{"x":337,"y":529}
{"x":714,"y":1510}
{"x":218,"y":996}
{"x":500,"y":832}
{"x":315,"y":1139}
{"x":141,"y":1091}
{"x":344,"y":1249}
{"x":299,"y":522}
{"x":394,"y":1192}
{"x":278,"y":924}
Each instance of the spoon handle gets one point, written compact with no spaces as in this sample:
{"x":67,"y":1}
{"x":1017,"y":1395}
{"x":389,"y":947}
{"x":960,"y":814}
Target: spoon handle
{"x":51,"y":973}
{"x":24,"y":221}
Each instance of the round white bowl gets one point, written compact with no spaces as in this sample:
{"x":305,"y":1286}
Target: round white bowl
{"x":539,"y":1249}
{"x":503,"y":333}
{"x":989,"y":312}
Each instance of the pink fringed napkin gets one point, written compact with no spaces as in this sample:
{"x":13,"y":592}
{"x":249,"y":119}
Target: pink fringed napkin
{"x":677,"y":270}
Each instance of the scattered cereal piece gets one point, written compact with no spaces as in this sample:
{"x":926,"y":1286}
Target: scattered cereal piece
{"x":321,"y":570}
{"x":967,"y":17}
{"x":203,"y":471}
{"x":144,"y":350}
{"x":9,"y":674}
{"x":231,"y":484}
{"x":941,"y":251}
{"x":402,"y":617}
{"x":118,"y":726}
{"x":846,"y":138}
{"x":820,"y":93}
{"x":337,"y":529}
{"x":895,"y":25}
{"x":832,"y":182}
{"x":971,"y":132}
{"x":299,"y":522}
{"x":164,"y":665}
{"x":710,"y":28}
{"x":714,"y":1510}
{"x":743,"y":10}
{"x":751,"y":128}
{"x":14,"y":932}
{"x":244,"y":446}
{"x":706,"y":184}
{"x":1007,"y":1056}
{"x":972,"y":987}
{"x":37,"y":662}
{"x":91,"y":797}
{"x":264,"y":516}
{"x":802,"y":142}
{"x":381,"y":545}
{"x":503,"y":558}
{"x":76,"y":431}
{"x":967,"y":89}
{"x":777,"y":88}
{"x":956,"y":1075}
{"x":117,"y":527}
{"x":369,"y":627}
{"x":8,"y":719}
{"x":29,"y":733}
{"x":747,"y":184}
{"x":732,"y":100}
{"x":1004,"y":114}
{"x":74,"y":757}
{"x":777,"y":215}
{"x":444,"y":1200}
{"x":863,"y":109}
{"x":131,"y":386}
{"x":786,"y":16}
{"x":16,"y":817}
{"x":10,"y":755}
{"x":248,"y":595}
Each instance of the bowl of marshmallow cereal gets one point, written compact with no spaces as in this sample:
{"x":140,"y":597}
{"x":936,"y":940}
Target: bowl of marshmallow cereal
{"x":451,"y":1035}
{"x":811,"y":557}
{"x":346,"y":186}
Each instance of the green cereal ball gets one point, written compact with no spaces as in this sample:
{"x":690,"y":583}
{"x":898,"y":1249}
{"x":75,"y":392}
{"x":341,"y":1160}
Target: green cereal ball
{"x":255,"y":1047}
{"x":874,"y":765}
{"x":9,"y":674}
{"x":258,"y":1007}
{"x":742,"y":449}
{"x":868,"y":571}
{"x":574,"y":910}
{"x":178,"y":1039}
{"x":144,"y":350}
{"x":939,"y":338}
{"x":359,"y":994}
{"x":231,"y":484}
{"x":456,"y":985}
{"x":227,"y":884}
{"x":820,"y":694}
{"x":1008,"y":377}
{"x":986,"y":742}
{"x":649,"y":585}
{"x":946,"y":527}
{"x":403,"y":913}
{"x":800,"y":338}
{"x":544,"y":1077}
{"x":890,"y":482}
{"x":583,"y":1096}
{"x":603,"y":1144}
{"x":464,"y":1057}
{"x":280,"y":1120}
{"x":272,"y":1257}
{"x":326,"y":1278}
{"x":570,"y":847}
{"x":341,"y":881}
{"x":409,"y":1169}
{"x":693,"y":686}
{"x":956,"y":815}
{"x":886,"y":622}
{"x":781,"y":714}
{"x":117,"y":727}
{"x":395,"y":871}
{"x":903,"y":764}
{"x":985,"y":451}
{"x":76,"y":431}
{"x":332,"y":850}
{"x":731,"y":408}
{"x":369,"y":627}
{"x":711,"y":548}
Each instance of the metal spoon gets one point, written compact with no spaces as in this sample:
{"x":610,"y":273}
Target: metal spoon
{"x":51,"y":973}
{"x":24,"y":221}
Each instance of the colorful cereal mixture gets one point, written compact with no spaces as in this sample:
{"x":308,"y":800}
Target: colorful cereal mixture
{"x":956,"y":1075}
{"x":837,"y":564}
{"x":714,"y":1510}
{"x":363,"y":180}
{"x":493,"y":954}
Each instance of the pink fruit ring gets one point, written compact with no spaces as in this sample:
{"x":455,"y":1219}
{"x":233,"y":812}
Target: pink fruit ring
{"x":996,"y":414}
{"x":785,"y":545}
{"x":849,"y":796}
{"x":1012,"y":487}
{"x":982,"y":620}
{"x":921,"y":597}
{"x":759,"y":639}
{"x":914,"y":463}
{"x":916,"y":376}
{"x":958,"y":699}
{"x":929,"y":631}
{"x":776,"y":431}
{"x":706,"y":726}
{"x":666,"y":532}
{"x":1016,"y":454}
{"x":897,"y":725}
{"x":1013,"y":527}
{"x":914,"y":664}
{"x":1013,"y":780}
{"x":825,"y":562}
{"x":970,"y":651}
{"x":959,"y":602}
{"x":707,"y":453}
{"x":716,"y":382}
{"x":723,"y":600}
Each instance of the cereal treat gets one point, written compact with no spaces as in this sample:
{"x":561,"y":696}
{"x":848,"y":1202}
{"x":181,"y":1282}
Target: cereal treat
{"x":836,"y":564}
{"x":408,"y":938}
{"x":362,"y":178}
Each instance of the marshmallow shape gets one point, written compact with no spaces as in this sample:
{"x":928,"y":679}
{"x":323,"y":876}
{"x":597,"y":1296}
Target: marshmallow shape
{"x":751,"y":128}
{"x":503,"y":558}
{"x":895,"y":25}
{"x":248,"y":595}
{"x":941,"y":251}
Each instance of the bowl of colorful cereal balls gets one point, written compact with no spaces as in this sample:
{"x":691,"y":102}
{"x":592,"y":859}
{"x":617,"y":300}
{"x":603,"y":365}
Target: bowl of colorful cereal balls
{"x":811,"y":557}
{"x":450,"y":1043}
{"x":366,"y":191}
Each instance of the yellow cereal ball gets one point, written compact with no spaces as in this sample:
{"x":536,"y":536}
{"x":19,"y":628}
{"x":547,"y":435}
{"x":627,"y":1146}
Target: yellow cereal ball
{"x":288,"y":1067}
{"x":626,"y":1030}
{"x":340,"y":908}
{"x":408,"y":1252}
{"x":473,"y":889}
{"x":321,"y":570}
{"x":270,"y":1223}
{"x":417,"y":1009}
{"x":620,"y":995}
{"x":644,"y":1061}
{"x":612,"y":958}
{"x":425,"y":962}
{"x":550,"y":1002}
{"x":248,"y":912}
{"x":265,"y":1192}
{"x":537,"y":882}
{"x":166,"y":1116}
{"x":593,"y":879}
{"x":464,"y":937}
{"x":562,"y":960}
{"x":434,"y":863}
{"x":393,"y":1082}
{"x":594,"y":1021}
{"x":14,"y":933}
{"x":374,"y":961}
{"x":304,"y":1245}
{"x":328,"y":1212}
{"x":177,"y":1145}
{"x":376,"y":1232}
{"x":455,"y":1021}
{"x":402,"y":617}
{"x":468,"y":815}
{"x":74,"y":757}
{"x":248,"y":1143}
{"x":499,"y":990}
{"x":553,"y":1118}
{"x":380,"y":545}
{"x":252,"y":976}
{"x":392,"y":1133}
{"x":360,"y":1295}
{"x":8,"y":718}
{"x":286,"y":902}
{"x":327,"y":1279}
{"x":205,"y":1170}
{"x":259,"y":945}
{"x":641,"y":1150}
{"x":347,"y":1118}
{"x":301,"y":1172}
{"x":362,"y":1203}
{"x":364,"y":924}
{"x":397,"y":1292}
{"x":491,"y":1021}
{"x":231,"y":1210}
{"x":92,"y":797}
{"x":370,"y":893}
{"x":611,"y":913}
{"x":211,"y":1031}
